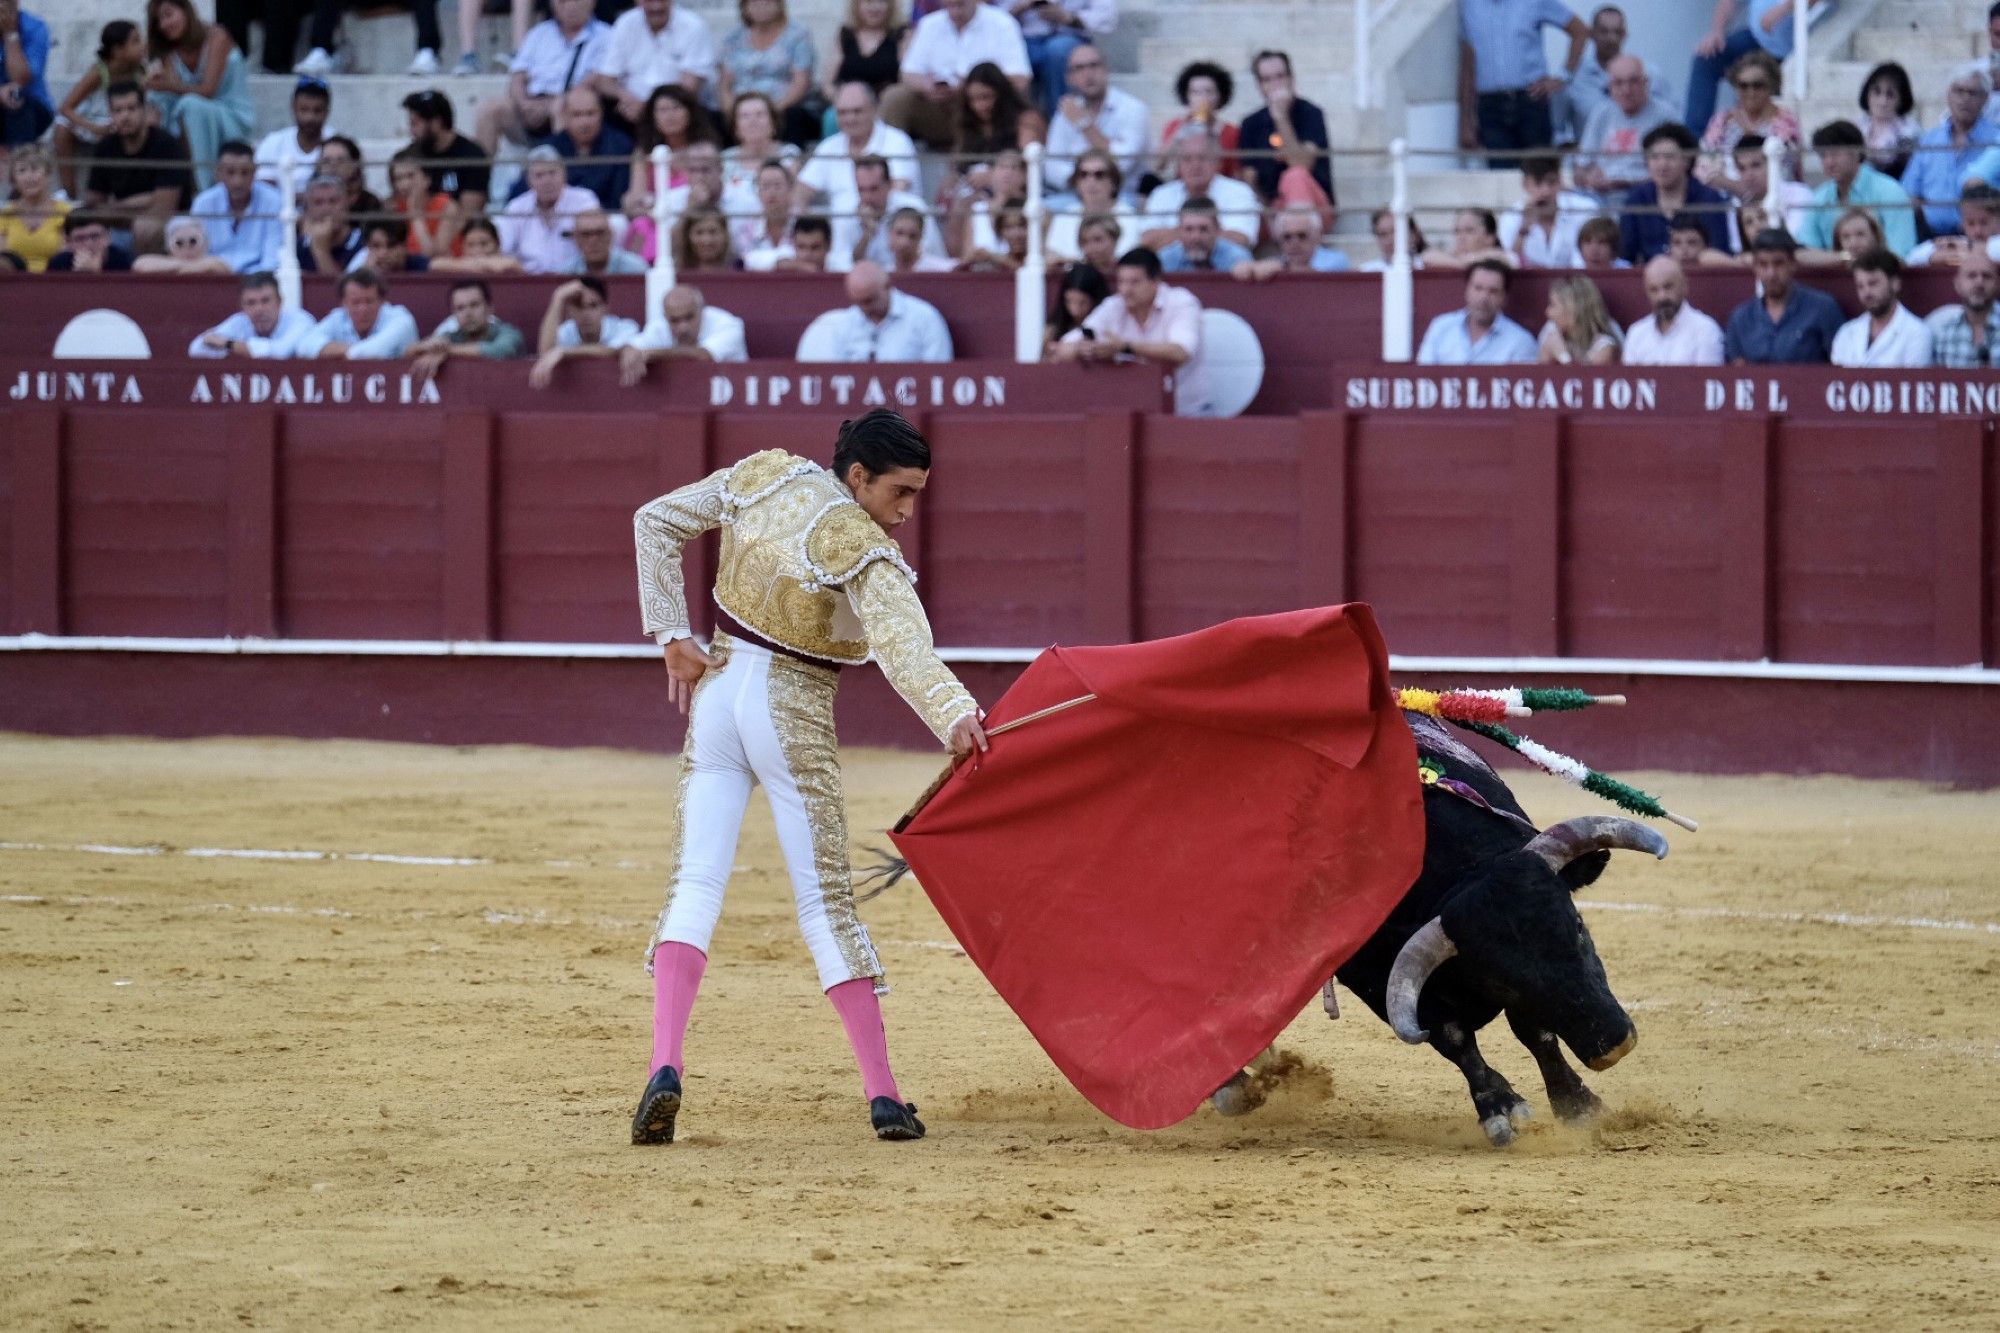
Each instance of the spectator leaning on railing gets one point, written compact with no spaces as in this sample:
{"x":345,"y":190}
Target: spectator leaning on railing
{"x":1885,"y":334}
{"x":1852,"y":183}
{"x":880,"y":324}
{"x":241,"y":212}
{"x":578,"y":325}
{"x":1675,"y":334}
{"x":1784,"y":323}
{"x":1479,"y":334}
{"x":688,"y":328}
{"x":1147,"y":321}
{"x":1967,"y":336}
{"x":263,"y":328}
{"x":1962,"y":145}
{"x":364,"y":327}
{"x":471,"y":330}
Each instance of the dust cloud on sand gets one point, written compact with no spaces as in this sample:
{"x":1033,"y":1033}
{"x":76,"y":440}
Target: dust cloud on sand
{"x":284,"y":1092}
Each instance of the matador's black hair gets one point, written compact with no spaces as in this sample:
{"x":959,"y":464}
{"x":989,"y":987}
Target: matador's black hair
{"x":880,"y":441}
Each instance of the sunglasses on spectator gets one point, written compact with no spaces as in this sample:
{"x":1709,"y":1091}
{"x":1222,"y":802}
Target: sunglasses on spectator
{"x":1746,"y":85}
{"x":1095,"y":173}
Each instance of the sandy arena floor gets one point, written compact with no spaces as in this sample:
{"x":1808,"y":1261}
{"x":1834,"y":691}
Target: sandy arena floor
{"x":364,"y":1093}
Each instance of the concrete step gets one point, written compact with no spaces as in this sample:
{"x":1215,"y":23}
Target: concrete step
{"x":1931,"y":15}
{"x":370,"y":106}
{"x":1918,"y":42}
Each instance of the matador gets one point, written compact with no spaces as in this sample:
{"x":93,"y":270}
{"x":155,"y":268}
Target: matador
{"x":808,"y":582}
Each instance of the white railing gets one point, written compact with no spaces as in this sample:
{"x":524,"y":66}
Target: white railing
{"x":1399,"y":284}
{"x":1031,"y":280}
{"x":660,"y":277}
{"x":291,"y":286}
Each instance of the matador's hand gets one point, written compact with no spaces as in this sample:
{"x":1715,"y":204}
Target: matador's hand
{"x":967,"y":735}
{"x":686,"y":664}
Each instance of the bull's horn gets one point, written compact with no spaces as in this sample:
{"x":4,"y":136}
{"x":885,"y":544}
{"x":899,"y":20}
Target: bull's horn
{"x":1559,"y":844}
{"x":1422,"y":954}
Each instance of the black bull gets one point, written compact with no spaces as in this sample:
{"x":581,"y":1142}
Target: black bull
{"x":1489,"y":928}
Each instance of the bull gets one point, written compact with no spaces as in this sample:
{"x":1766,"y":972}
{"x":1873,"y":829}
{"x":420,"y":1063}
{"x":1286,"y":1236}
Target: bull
{"x":1488,"y":928}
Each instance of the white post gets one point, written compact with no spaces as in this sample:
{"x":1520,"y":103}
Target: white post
{"x":1364,"y":52}
{"x":1399,"y":285}
{"x":1031,"y":280}
{"x":1774,"y":179}
{"x":1801,"y":27}
{"x":660,"y":277}
{"x":291,"y":288}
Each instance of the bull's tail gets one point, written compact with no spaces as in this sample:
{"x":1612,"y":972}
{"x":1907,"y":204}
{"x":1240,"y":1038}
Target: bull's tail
{"x":881,"y":876}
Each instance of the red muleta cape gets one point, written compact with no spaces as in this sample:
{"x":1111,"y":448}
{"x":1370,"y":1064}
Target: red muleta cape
{"x":1159,"y":880}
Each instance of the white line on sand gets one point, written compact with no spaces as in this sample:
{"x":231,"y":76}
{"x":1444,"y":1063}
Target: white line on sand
{"x":1858,"y":920}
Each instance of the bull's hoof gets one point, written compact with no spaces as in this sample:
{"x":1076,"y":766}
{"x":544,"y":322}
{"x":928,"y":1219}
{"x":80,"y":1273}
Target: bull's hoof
{"x":1499,"y":1130}
{"x":1583,"y":1104}
{"x":1239,"y":1096}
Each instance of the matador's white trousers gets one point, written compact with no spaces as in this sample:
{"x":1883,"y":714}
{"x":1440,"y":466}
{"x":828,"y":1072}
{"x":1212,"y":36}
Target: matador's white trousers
{"x":765,"y":717}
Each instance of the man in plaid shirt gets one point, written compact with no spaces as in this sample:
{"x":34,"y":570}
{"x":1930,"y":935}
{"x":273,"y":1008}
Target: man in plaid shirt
{"x":1965,"y":337}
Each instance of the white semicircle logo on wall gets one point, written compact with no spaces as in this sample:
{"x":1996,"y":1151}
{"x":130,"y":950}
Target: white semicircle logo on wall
{"x":102,"y":335}
{"x":1232,"y":365}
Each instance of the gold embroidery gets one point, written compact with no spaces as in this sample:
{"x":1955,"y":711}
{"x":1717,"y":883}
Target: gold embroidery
{"x":764,"y":578}
{"x":660,"y":529}
{"x":801,"y":702}
{"x":899,"y":636}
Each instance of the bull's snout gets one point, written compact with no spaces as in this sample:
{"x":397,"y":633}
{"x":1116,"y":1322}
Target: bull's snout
{"x":1616,"y":1053}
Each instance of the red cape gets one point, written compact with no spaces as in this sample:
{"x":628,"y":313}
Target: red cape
{"x":1159,"y":880}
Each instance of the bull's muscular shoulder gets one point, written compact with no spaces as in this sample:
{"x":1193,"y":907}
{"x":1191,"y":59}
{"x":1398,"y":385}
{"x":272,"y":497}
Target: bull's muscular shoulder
{"x":762,"y":473}
{"x":844,"y":540}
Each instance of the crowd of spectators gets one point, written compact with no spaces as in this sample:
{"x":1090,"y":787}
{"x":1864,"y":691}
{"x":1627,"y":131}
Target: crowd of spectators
{"x":782,"y":166}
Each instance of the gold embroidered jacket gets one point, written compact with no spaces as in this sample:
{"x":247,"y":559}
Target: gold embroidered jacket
{"x":804,"y":566}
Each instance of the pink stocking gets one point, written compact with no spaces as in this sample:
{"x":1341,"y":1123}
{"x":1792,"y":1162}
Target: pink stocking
{"x":677,"y":970}
{"x":861,"y":1014}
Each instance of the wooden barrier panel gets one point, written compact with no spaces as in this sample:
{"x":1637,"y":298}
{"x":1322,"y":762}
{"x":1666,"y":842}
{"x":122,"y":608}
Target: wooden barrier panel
{"x":1657,"y":530}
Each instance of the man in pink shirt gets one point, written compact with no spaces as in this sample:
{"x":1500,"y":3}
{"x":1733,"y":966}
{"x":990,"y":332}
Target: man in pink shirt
{"x":1146,"y":321}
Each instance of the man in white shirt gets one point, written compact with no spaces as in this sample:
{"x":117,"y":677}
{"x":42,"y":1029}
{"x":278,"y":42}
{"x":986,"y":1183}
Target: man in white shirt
{"x":830,"y":169}
{"x":559,"y":53}
{"x":265,"y":329}
{"x":1885,"y":334}
{"x":1093,"y":114}
{"x":311,"y":100}
{"x":657,"y":44}
{"x":861,"y":230}
{"x":1540,"y":232}
{"x":1200,"y":160}
{"x":1675,"y":334}
{"x":948,"y":42}
{"x":690,"y":330}
{"x":538,"y":228}
{"x":701,"y":163}
{"x":1479,"y":335}
{"x":365,"y":327}
{"x":578,"y":323}
{"x":882,"y":324}
{"x":1148,"y":321}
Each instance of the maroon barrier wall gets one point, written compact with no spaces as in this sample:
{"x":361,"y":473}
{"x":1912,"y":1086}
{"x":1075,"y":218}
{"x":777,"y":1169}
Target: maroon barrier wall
{"x":1800,"y":516}
{"x":1306,"y":323}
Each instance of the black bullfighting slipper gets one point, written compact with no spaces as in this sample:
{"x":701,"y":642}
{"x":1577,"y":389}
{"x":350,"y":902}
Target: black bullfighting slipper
{"x":653,"y":1122}
{"x":895,"y":1120}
